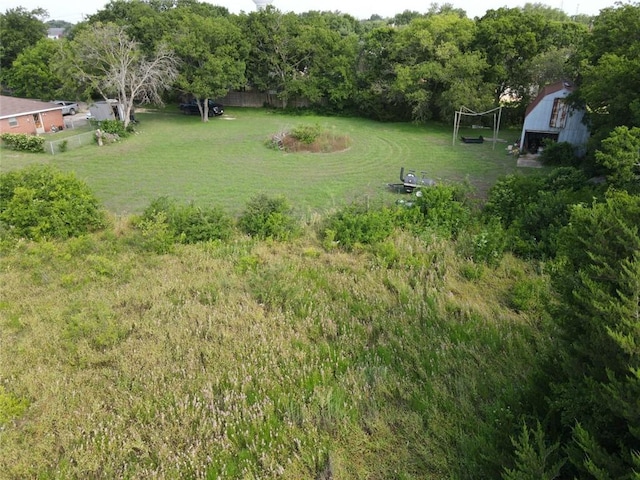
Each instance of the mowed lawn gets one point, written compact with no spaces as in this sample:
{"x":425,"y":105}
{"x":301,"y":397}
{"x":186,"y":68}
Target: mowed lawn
{"x":226,"y":161}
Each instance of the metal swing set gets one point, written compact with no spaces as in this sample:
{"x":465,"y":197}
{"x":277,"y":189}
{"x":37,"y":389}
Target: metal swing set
{"x":464,"y":111}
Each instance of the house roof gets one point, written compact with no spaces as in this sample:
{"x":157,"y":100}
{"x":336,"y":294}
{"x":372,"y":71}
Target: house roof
{"x":55,"y":32}
{"x":548,"y":90}
{"x":14,"y":106}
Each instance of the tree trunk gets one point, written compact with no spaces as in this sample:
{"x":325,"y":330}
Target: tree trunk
{"x":205,"y":110}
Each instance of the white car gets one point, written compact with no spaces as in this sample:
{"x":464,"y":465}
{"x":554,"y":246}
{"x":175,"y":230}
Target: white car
{"x":68,"y":108}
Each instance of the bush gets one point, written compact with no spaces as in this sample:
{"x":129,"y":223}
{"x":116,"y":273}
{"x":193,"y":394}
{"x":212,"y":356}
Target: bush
{"x":23,"y":142}
{"x":560,"y":154}
{"x":156,"y":235}
{"x":40,"y":202}
{"x":444,"y":209}
{"x":114,"y":127}
{"x":528,"y":295}
{"x":267,"y":217}
{"x":189,"y":223}
{"x":486,"y":245}
{"x":532,"y":209}
{"x":359,"y":224}
{"x":306,"y":133}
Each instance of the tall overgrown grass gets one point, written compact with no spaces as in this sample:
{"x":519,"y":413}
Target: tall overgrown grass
{"x":383,"y":341}
{"x":256,"y":358}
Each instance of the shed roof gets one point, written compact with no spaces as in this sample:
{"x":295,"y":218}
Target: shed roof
{"x":14,"y":106}
{"x":548,"y":90}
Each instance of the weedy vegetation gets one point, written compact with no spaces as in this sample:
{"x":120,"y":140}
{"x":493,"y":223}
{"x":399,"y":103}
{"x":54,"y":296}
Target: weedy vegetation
{"x":379,"y":340}
{"x":164,"y":348}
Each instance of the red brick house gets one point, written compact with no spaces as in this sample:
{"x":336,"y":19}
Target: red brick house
{"x":22,"y":115}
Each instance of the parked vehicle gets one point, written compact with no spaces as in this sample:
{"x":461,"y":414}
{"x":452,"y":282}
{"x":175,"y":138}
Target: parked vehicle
{"x":68,"y":108}
{"x":191,"y":108}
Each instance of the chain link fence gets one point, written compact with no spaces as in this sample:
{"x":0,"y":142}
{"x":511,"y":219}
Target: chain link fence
{"x":69,"y":143}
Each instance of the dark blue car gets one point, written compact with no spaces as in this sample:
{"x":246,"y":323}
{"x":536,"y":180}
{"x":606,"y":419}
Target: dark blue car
{"x":191,"y":108}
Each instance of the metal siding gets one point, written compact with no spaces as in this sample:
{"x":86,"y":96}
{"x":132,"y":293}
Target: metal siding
{"x":574,"y":132}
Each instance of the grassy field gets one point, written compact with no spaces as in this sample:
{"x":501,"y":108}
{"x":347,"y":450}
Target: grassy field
{"x":225,"y":161}
{"x":247,"y":359}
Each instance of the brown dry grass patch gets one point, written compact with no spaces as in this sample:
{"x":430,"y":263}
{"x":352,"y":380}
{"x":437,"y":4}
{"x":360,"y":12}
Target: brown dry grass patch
{"x":326,"y":142}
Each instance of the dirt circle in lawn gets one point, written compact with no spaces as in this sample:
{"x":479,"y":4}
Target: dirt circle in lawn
{"x":320,"y":142}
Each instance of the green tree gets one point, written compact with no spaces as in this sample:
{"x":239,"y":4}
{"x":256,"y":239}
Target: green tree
{"x":549,"y":66}
{"x":443,"y":8}
{"x":33,"y":74}
{"x":375,"y":76}
{"x":619,"y":153}
{"x":436,"y":71}
{"x":550,"y":13}
{"x":143,"y":21}
{"x":150,"y":22}
{"x":535,"y":459}
{"x":19,"y":29}
{"x":59,"y":24}
{"x":515,"y":42}
{"x":212,"y":56}
{"x":609,"y":62}
{"x":509,"y":38}
{"x":405,"y":17}
{"x":280,"y":53}
{"x":595,"y":380}
{"x":102,"y":58}
{"x":329,"y":72}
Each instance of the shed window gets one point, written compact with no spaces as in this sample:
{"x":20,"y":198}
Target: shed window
{"x":13,"y":122}
{"x":559,"y":113}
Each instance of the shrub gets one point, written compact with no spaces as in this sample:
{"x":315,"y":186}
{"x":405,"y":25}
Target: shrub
{"x":308,"y":138}
{"x":189,"y":223}
{"x":528,"y":294}
{"x":486,"y":245}
{"x":23,"y":142}
{"x":40,"y":202}
{"x":532,"y":209}
{"x":306,"y":133}
{"x":359,"y":224}
{"x":268,"y":217}
{"x":471,"y":271}
{"x":156,"y":234}
{"x":559,"y":154}
{"x":509,"y":194}
{"x":444,"y":209}
{"x":114,"y":127}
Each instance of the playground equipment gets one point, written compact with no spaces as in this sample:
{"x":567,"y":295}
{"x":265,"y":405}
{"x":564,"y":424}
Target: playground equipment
{"x":464,"y":111}
{"x":479,"y":139}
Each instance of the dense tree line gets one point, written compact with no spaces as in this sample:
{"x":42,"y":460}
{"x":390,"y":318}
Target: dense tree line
{"x":579,"y":417}
{"x":410,"y":67}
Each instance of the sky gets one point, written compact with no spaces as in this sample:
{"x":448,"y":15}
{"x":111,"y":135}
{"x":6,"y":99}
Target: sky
{"x":76,"y":11}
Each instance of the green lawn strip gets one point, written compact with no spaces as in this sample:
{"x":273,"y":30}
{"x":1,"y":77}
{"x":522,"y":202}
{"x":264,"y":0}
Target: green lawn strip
{"x":225,"y":161}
